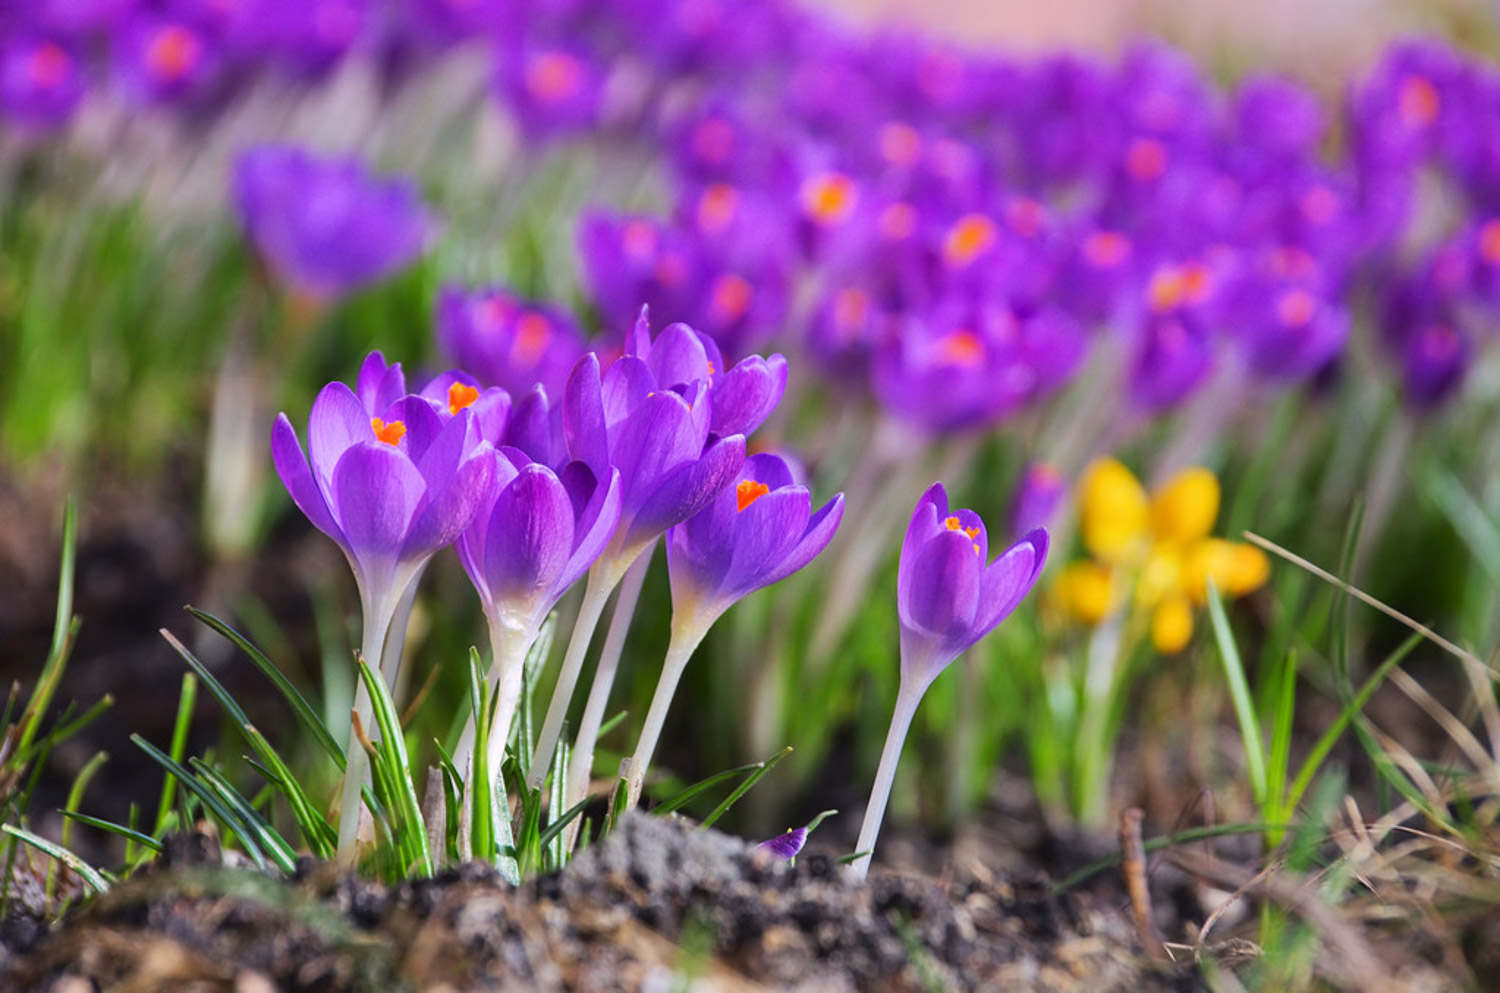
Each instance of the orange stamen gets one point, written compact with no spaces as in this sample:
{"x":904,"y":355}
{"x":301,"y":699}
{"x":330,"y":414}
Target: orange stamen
{"x":969,"y":238}
{"x":391,"y":433}
{"x":730,"y":297}
{"x":1296,"y":308}
{"x":749,"y":491}
{"x":173,"y":52}
{"x":49,"y":65}
{"x":460,"y":395}
{"x":716,"y":208}
{"x":1418,"y":102}
{"x":554,"y":76}
{"x":1489,"y":242}
{"x":1146,"y":159}
{"x":961,"y":348}
{"x":829,"y":197}
{"x":1106,"y":249}
{"x":533,"y":331}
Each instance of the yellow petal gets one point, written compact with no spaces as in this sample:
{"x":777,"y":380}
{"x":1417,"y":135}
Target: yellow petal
{"x":1236,"y":568}
{"x":1172,"y":625}
{"x":1184,"y":509}
{"x":1114,"y":510}
{"x":1085,"y":592}
{"x":1160,"y":577}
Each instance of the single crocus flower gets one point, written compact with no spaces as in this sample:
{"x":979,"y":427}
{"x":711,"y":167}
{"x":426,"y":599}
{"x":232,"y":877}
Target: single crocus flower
{"x":535,"y":535}
{"x":390,"y":490}
{"x":947,"y":599}
{"x":41,"y":83}
{"x":326,"y":225}
{"x":790,"y":842}
{"x":754,"y":533}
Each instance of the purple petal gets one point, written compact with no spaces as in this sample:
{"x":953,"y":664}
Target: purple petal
{"x":678,"y":357}
{"x":379,"y":385}
{"x":689,"y":489}
{"x":820,"y":531}
{"x":658,"y":438}
{"x":923,"y":525}
{"x":592,"y":533}
{"x":747,"y":394}
{"x":291,"y":466}
{"x":470,"y":545}
{"x":943,"y":596}
{"x":1005,"y":582}
{"x":764,"y":533}
{"x":452,"y":507}
{"x":376,"y":491}
{"x":627,"y":382}
{"x":786,"y":845}
{"x":423,"y":427}
{"x":638,"y":339}
{"x":583,"y":416}
{"x":533,"y":428}
{"x":438,"y":445}
{"x":530,"y":537}
{"x":337,"y":422}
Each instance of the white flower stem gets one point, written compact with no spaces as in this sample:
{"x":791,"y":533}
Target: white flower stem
{"x":907,"y":699}
{"x":601,"y":583}
{"x":377,"y":623}
{"x":508,"y":647}
{"x":686,"y":635}
{"x":581,"y":764}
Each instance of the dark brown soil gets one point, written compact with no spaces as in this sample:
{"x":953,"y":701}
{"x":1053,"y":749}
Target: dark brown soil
{"x":657,"y":905}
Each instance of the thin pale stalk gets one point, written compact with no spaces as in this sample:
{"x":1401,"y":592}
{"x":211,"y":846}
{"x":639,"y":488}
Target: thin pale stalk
{"x":395,"y":640}
{"x":686,"y":636}
{"x":508,"y":648}
{"x":357,"y":771}
{"x":581,"y":763}
{"x":601,"y":583}
{"x":880,"y":794}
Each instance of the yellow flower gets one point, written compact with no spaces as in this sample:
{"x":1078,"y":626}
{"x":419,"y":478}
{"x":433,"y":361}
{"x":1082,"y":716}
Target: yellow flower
{"x":1085,"y":591}
{"x":1172,"y":624}
{"x":1114,"y":509}
{"x":1236,"y":568}
{"x":1185,"y":507}
{"x":1162,"y":544}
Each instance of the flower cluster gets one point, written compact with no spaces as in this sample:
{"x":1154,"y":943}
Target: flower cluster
{"x":1153,"y":555}
{"x":652,"y":445}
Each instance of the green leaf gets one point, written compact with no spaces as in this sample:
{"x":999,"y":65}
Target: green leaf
{"x":393,"y":745}
{"x":1239,"y":693}
{"x":481,"y":825}
{"x":86,"y":872}
{"x":128,"y":833}
{"x":187,"y":697}
{"x":295,"y":699}
{"x":746,"y":786}
{"x":227,"y":817}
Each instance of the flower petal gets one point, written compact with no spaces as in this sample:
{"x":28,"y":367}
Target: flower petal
{"x":747,"y":394}
{"x":583,"y":416}
{"x":820,"y":530}
{"x":677,"y":357}
{"x":943,"y":596}
{"x":379,"y":384}
{"x":687,"y":490}
{"x":1006,"y":581}
{"x":592,"y":531}
{"x":764,"y":533}
{"x":337,"y":421}
{"x":291,"y":466}
{"x":530,"y":537}
{"x":452,"y":506}
{"x":376,"y":492}
{"x":656,"y":439}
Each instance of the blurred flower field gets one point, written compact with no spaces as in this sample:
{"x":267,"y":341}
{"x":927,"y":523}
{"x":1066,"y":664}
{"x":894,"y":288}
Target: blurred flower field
{"x":1210,"y":356}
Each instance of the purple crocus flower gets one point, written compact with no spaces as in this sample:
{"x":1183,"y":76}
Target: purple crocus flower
{"x":41,"y":83}
{"x":507,"y":341}
{"x":160,"y":60}
{"x":535,"y":535}
{"x":552,"y":89}
{"x":753,"y":534}
{"x":632,"y":260}
{"x":946,"y":596}
{"x":390,"y":490}
{"x":1037,"y":498}
{"x":947,"y":599}
{"x":326,"y":225}
{"x":786,"y":845}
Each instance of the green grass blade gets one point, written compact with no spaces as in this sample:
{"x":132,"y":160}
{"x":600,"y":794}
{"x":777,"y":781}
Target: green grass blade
{"x":746,"y":786}
{"x":393,"y":744}
{"x":320,"y":836}
{"x":91,"y":876}
{"x":64,"y":633}
{"x":128,"y":833}
{"x":612,"y":723}
{"x":290,"y":693}
{"x":1330,"y":737}
{"x":687,"y":795}
{"x":553,"y":832}
{"x":75,"y":797}
{"x":187,"y":698}
{"x":1283,"y":709}
{"x":228,"y":818}
{"x":267,"y":838}
{"x":1239,"y":693}
{"x":481,"y":825}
